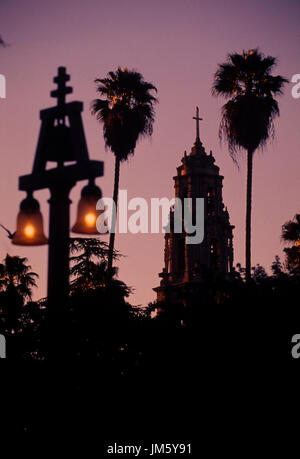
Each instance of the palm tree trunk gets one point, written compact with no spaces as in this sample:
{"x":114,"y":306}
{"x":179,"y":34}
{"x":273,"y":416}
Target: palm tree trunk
{"x":248,"y":213}
{"x":113,"y":228}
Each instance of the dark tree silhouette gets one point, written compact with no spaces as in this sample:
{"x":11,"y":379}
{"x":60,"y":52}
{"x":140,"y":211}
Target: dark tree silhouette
{"x":16,"y":283}
{"x":247,"y":118}
{"x":89,"y":267}
{"x":127,"y":114}
{"x":16,"y":275}
{"x":291,"y":235}
{"x":86,"y":249}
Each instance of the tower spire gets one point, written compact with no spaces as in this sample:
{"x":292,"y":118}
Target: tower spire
{"x":197,"y":123}
{"x":198,"y":147}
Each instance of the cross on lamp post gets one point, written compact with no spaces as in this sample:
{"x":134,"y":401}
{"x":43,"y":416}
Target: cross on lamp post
{"x":58,"y":143}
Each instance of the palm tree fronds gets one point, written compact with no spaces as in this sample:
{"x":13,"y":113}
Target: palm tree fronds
{"x":291,"y":230}
{"x":127,"y":111}
{"x":248,"y":122}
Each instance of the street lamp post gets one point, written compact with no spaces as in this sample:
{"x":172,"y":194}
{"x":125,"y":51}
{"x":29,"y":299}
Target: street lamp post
{"x":61,"y":140}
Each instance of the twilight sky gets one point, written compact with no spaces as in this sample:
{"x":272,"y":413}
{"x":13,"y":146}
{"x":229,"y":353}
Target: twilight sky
{"x":176,"y":45}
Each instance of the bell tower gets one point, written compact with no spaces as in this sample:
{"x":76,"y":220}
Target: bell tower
{"x":187,"y":266}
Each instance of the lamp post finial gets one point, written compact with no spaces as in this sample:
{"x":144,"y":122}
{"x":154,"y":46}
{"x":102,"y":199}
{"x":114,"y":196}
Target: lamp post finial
{"x":62,"y":90}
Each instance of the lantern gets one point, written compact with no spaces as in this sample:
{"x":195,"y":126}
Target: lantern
{"x":29,"y":224}
{"x":87,"y":214}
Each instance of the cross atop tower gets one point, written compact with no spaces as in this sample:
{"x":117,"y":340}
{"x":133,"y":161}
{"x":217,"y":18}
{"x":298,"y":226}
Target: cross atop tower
{"x":62,"y":90}
{"x":197,"y":122}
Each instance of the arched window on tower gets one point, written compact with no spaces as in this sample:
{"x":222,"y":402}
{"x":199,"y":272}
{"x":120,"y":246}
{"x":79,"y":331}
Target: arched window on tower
{"x":214,"y":254}
{"x":211,"y":202}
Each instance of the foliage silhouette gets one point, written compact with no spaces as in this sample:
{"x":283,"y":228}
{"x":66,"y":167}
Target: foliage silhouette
{"x":291,"y":234}
{"x":247,"y":118}
{"x":89,"y":275}
{"x":16,"y":283}
{"x":125,"y":362}
{"x":91,"y":323}
{"x":127,"y":114}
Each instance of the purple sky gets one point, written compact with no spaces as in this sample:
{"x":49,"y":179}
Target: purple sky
{"x":177,"y":46}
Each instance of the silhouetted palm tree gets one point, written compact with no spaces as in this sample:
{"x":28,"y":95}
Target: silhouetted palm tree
{"x":126,"y":114}
{"x":16,"y":282}
{"x":291,"y":234}
{"x":247,"y":118}
{"x":16,"y":275}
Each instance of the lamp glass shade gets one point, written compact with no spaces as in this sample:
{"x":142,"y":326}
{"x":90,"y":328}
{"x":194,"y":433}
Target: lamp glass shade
{"x":29,"y":224}
{"x":87,"y":214}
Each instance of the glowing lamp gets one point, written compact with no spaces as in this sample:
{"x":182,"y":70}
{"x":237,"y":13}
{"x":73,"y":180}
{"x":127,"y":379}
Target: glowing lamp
{"x":29,"y":224}
{"x":87,"y":214}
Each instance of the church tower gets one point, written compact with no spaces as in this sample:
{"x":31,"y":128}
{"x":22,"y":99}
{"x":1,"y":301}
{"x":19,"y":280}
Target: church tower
{"x":188,"y":266}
